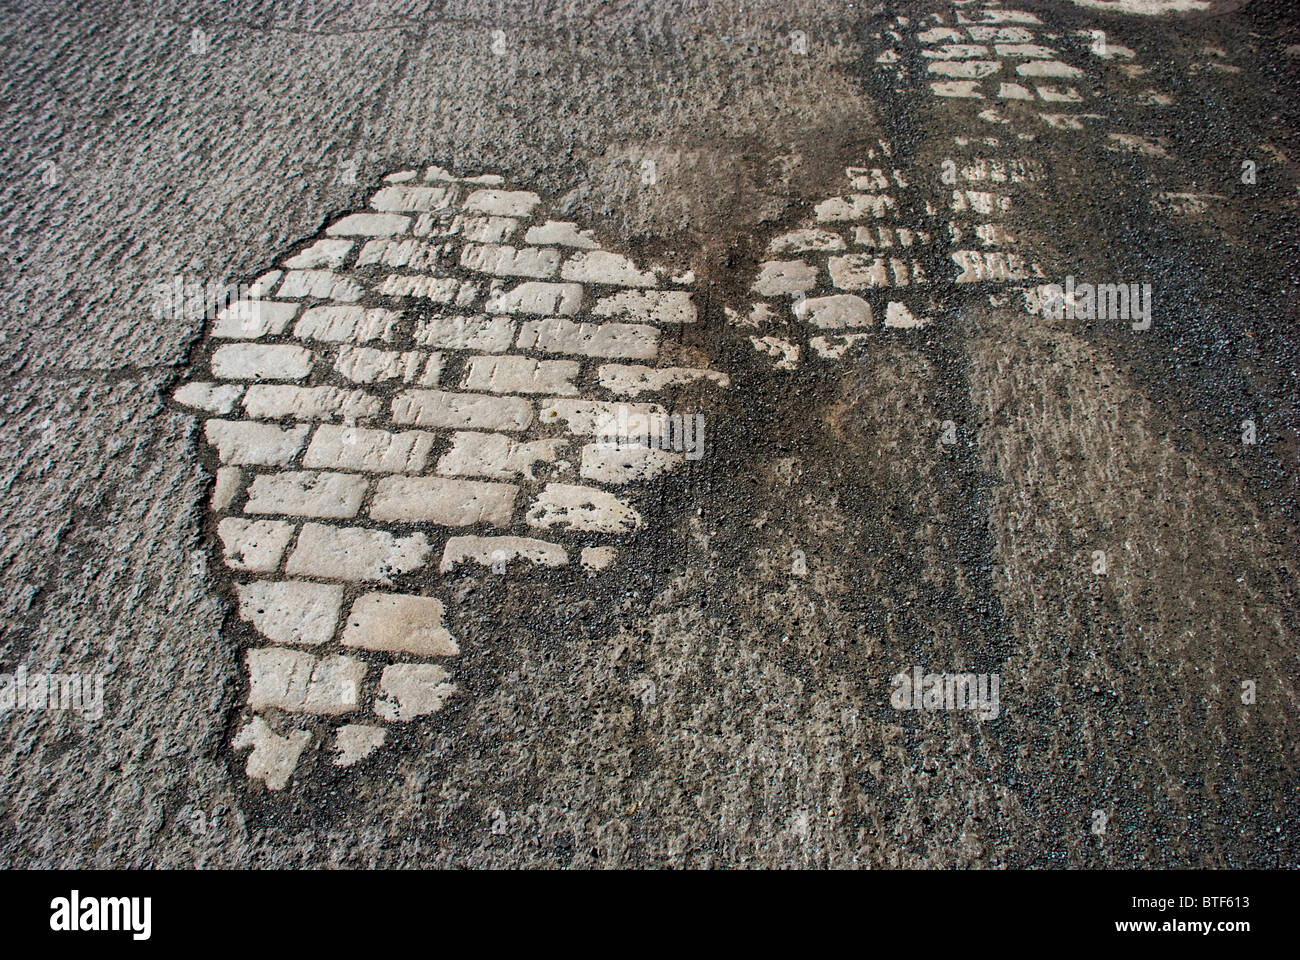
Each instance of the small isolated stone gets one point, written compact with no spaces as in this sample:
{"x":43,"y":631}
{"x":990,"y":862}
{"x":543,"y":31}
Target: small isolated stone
{"x":254,"y":545}
{"x":394,"y":622}
{"x":835,"y":345}
{"x":356,"y":741}
{"x":274,"y":757}
{"x":291,"y":611}
{"x":414,"y":689}
{"x":785,"y":352}
{"x":299,"y":682}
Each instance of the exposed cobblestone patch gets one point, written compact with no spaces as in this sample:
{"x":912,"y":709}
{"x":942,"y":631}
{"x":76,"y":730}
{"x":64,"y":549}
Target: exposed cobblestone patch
{"x":412,"y":392}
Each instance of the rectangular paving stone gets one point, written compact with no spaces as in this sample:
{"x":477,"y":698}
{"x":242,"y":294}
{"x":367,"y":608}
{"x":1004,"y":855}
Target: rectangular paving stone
{"x":291,"y":611}
{"x":327,"y":253}
{"x":338,"y":324}
{"x":352,"y":553}
{"x":259,"y":361}
{"x":803,"y":241}
{"x":319,"y":284}
{"x":304,"y":493}
{"x":631,"y":379}
{"x":225,"y":487}
{"x":606,"y":463}
{"x":475,"y":229}
{"x":857,"y":271}
{"x":977,"y":266}
{"x":296,"y":681}
{"x":460,"y":411}
{"x":209,"y":397}
{"x":265,"y":401}
{"x":254,"y":545}
{"x":412,"y":198}
{"x":255,"y":444}
{"x":497,"y":456}
{"x":251,"y":319}
{"x":588,"y":417}
{"x":777,"y":278}
{"x":443,"y":500}
{"x":835,"y":312}
{"x":605,"y":340}
{"x":602,"y":266}
{"x":561,"y":233}
{"x":497,"y":551}
{"x":515,"y":374}
{"x":414,"y":690}
{"x":407,"y":252}
{"x":399,"y":623}
{"x":538,"y":297}
{"x":648,"y":306}
{"x":370,"y":225}
{"x":483,"y":334}
{"x":502,"y":203}
{"x":506,"y":261}
{"x":858,"y":206}
{"x":368,"y":365}
{"x":436,"y":289}
{"x":377,"y":451}
{"x":586,"y":509}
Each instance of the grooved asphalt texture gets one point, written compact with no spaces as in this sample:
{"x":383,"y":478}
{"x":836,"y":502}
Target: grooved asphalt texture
{"x":769,"y":738}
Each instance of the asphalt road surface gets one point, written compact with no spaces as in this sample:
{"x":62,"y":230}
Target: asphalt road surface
{"x":636,"y":434}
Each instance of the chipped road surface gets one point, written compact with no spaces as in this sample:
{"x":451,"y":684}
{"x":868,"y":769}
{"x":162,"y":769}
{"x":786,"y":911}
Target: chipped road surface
{"x":804,"y":434}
